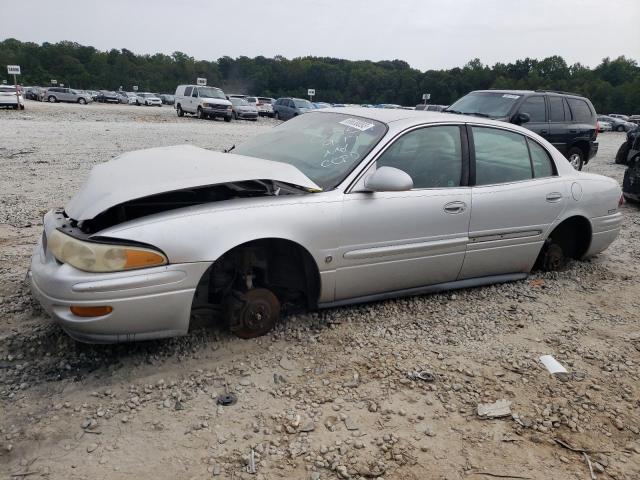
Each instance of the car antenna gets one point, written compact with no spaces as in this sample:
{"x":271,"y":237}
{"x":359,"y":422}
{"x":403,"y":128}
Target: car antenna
{"x":227,"y":150}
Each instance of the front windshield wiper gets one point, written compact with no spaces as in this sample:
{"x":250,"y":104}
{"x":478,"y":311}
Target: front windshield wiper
{"x":451,"y":111}
{"x":478,"y":114}
{"x":227,"y":150}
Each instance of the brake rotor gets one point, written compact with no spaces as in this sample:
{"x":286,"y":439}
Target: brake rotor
{"x":255,"y":314}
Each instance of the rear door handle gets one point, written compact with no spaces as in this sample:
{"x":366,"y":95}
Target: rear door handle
{"x":455,"y":207}
{"x":554,"y":197}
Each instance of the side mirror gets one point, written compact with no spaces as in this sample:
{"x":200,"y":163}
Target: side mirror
{"x":522,"y":118}
{"x":388,"y":179}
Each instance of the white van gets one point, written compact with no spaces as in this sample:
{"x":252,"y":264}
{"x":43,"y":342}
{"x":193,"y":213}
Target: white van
{"x":205,"y":102}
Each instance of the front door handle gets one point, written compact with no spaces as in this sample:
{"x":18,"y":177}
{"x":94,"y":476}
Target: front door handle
{"x":543,"y":132}
{"x":554,"y":197}
{"x":455,"y":207}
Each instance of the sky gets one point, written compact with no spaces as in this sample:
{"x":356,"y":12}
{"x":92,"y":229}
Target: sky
{"x":428,"y":34}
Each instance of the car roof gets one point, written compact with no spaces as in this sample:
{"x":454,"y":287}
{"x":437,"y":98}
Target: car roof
{"x":389,"y":115}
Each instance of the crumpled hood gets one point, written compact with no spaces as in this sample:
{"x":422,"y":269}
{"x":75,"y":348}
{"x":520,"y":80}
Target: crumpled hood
{"x":148,"y":172}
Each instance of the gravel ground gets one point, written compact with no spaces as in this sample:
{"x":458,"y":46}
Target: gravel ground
{"x":330,"y":394}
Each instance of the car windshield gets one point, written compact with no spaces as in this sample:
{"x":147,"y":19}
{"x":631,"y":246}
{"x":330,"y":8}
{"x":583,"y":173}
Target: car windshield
{"x":208,"y":92}
{"x":238,"y":101}
{"x":323,"y":146}
{"x":492,"y":104}
{"x":303,"y":104}
{"x":252,"y":99}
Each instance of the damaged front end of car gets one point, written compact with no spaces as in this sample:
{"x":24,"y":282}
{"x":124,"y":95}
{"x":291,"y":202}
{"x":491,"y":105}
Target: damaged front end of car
{"x":106,"y":266}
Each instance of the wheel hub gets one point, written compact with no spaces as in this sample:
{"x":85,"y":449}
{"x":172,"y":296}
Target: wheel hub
{"x":254,"y":313}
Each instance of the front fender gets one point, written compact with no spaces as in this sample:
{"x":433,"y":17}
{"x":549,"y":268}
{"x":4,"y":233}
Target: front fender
{"x":205,"y":232}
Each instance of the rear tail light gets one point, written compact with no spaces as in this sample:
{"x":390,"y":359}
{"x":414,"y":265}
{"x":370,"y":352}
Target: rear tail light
{"x":621,"y":201}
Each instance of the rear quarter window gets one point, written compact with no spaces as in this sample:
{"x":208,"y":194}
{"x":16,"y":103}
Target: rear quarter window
{"x":580,"y":110}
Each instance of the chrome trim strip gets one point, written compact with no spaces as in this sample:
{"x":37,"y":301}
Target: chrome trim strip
{"x":433,"y":246}
{"x":504,"y":236}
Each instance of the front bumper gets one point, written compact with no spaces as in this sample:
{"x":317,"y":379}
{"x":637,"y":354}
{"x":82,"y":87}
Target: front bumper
{"x":216,"y":112}
{"x":250,"y":115}
{"x":147,"y":303}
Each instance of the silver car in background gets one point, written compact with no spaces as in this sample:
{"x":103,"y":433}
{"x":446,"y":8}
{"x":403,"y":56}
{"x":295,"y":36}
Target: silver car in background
{"x":60,"y":94}
{"x":334,"y":207}
{"x":242,"y":109}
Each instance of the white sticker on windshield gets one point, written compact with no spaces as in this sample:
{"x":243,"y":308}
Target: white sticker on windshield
{"x":357,"y":124}
{"x":509,"y":95}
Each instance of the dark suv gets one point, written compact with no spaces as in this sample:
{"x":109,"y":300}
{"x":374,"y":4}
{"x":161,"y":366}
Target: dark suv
{"x":566,"y":120}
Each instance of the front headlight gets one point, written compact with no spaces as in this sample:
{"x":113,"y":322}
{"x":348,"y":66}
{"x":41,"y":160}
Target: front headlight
{"x":206,"y":105}
{"x":229,"y":108}
{"x":100,"y":257}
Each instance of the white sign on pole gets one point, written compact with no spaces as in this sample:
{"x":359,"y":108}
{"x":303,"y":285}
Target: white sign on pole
{"x":13,"y":69}
{"x":54,"y":81}
{"x":62,"y":84}
{"x":201,"y":81}
{"x":426,"y":96}
{"x":135,"y":88}
{"x":311,"y":92}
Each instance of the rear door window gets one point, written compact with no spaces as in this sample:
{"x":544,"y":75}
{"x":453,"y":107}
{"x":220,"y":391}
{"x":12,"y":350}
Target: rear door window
{"x":535,"y":107}
{"x":580,"y":109}
{"x":501,"y":156}
{"x":540,"y":160}
{"x":557,"y":109}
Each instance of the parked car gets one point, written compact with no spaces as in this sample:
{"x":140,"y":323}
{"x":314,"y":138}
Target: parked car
{"x":629,"y":148}
{"x":604,"y":126}
{"x":167,"y":99}
{"x":204,"y":102}
{"x":107,"y":96}
{"x":242,"y":109}
{"x":62,"y":94}
{"x":94,"y":94}
{"x":566,"y":120}
{"x":321,"y":105}
{"x":635,"y":119}
{"x":34,"y":93}
{"x":286,"y":108}
{"x":334,"y":207}
{"x":132,"y":98}
{"x":620,"y":116}
{"x":617,"y":124}
{"x":149,"y":99}
{"x":431,"y":108}
{"x":8,"y":98}
{"x":631,"y":180}
{"x":265,"y":106}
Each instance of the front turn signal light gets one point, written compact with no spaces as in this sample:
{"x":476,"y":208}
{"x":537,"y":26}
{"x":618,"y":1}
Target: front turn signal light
{"x":90,"y":311}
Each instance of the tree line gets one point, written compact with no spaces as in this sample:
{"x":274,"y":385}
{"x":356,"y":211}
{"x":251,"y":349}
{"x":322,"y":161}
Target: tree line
{"x":613,"y":86}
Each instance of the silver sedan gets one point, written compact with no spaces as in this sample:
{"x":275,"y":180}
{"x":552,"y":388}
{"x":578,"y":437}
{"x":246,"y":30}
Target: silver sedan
{"x":331,"y":208}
